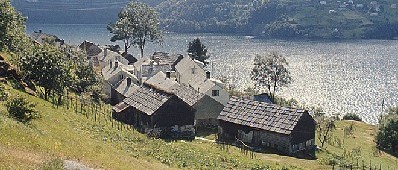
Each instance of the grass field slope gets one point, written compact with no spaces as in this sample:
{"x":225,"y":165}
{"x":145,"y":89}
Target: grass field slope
{"x":97,"y":142}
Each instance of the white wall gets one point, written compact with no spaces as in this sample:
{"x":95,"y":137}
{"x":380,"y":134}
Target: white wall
{"x":223,"y":98}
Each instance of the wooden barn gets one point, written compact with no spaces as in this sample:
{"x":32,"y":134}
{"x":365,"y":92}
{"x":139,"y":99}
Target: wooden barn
{"x":206,"y":108}
{"x":261,"y":124}
{"x":147,"y":109}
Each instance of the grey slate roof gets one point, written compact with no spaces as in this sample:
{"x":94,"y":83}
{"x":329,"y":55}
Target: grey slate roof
{"x":108,"y":72}
{"x":146,"y":100}
{"x":140,"y":62}
{"x":261,"y":115}
{"x":120,"y":107}
{"x":160,"y":82}
{"x":166,"y":58}
{"x":187,"y":94}
{"x":90,"y":48}
{"x":150,"y":70}
{"x":182,"y":91}
{"x":202,"y":85}
{"x":125,"y":90}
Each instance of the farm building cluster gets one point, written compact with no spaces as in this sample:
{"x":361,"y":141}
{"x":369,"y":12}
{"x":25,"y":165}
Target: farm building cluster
{"x":169,"y":96}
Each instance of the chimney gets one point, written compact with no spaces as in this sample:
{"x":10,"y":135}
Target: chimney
{"x":40,"y":31}
{"x":168,"y":74}
{"x":208,"y":74}
{"x":116,"y":64}
{"x":110,"y":63}
{"x":105,"y":52}
{"x":128,"y":81}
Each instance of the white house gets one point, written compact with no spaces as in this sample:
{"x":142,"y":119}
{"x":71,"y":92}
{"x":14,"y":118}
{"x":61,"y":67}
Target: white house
{"x":108,"y":55}
{"x":190,"y":73}
{"x":146,"y":67}
{"x":113,"y":73}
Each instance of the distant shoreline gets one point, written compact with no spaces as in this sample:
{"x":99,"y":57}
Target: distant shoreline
{"x":298,"y":39}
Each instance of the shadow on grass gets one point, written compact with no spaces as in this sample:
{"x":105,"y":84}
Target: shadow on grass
{"x":206,"y":132}
{"x":390,"y":152}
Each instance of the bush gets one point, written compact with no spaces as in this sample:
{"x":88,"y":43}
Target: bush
{"x":393,"y":111}
{"x":286,"y":102}
{"x":352,"y":116}
{"x":21,"y":109}
{"x":386,"y":137}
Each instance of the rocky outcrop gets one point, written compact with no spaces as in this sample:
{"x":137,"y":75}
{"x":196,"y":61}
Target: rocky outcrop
{"x":9,"y":72}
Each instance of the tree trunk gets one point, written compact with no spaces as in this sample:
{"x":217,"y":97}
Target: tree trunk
{"x":142,"y":50}
{"x":46,"y":93}
{"x":273,"y":94}
{"x":59,"y":99}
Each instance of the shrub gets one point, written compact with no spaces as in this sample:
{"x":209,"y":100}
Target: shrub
{"x":393,"y":111}
{"x":286,"y":102}
{"x":385,"y":137}
{"x":21,"y":109}
{"x":352,"y":116}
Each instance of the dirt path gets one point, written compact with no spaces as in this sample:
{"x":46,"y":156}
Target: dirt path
{"x":22,"y":155}
{"x":204,"y":139}
{"x":74,"y":165}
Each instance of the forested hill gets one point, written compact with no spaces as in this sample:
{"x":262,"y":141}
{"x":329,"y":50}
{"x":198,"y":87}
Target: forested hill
{"x":284,"y":18}
{"x":328,"y":19}
{"x":73,"y":11}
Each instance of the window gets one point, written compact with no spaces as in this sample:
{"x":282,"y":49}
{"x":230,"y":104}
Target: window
{"x":215,"y":93}
{"x":193,"y":70}
{"x":121,"y":77}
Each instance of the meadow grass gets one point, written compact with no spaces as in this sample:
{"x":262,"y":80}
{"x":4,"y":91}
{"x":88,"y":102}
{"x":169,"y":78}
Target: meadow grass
{"x":64,"y":134}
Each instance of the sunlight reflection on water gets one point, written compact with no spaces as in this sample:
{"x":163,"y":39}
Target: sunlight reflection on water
{"x":341,"y":77}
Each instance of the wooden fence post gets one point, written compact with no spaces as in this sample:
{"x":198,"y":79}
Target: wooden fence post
{"x":76,"y":103}
{"x":370,"y":164}
{"x":363,"y":165}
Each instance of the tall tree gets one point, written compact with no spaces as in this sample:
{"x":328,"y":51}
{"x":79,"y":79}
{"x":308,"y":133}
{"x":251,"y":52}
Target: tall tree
{"x":47,"y":68}
{"x":85,"y":75}
{"x":12,"y":28}
{"x":325,"y":127}
{"x":387,"y":135}
{"x":271,"y":71}
{"x":198,"y":50}
{"x":138,"y":23}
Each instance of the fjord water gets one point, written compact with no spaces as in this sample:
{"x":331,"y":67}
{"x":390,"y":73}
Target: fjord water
{"x":340,"y":76}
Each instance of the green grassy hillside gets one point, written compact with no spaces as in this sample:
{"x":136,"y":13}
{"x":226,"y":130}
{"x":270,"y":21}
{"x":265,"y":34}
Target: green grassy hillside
{"x":62,"y":134}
